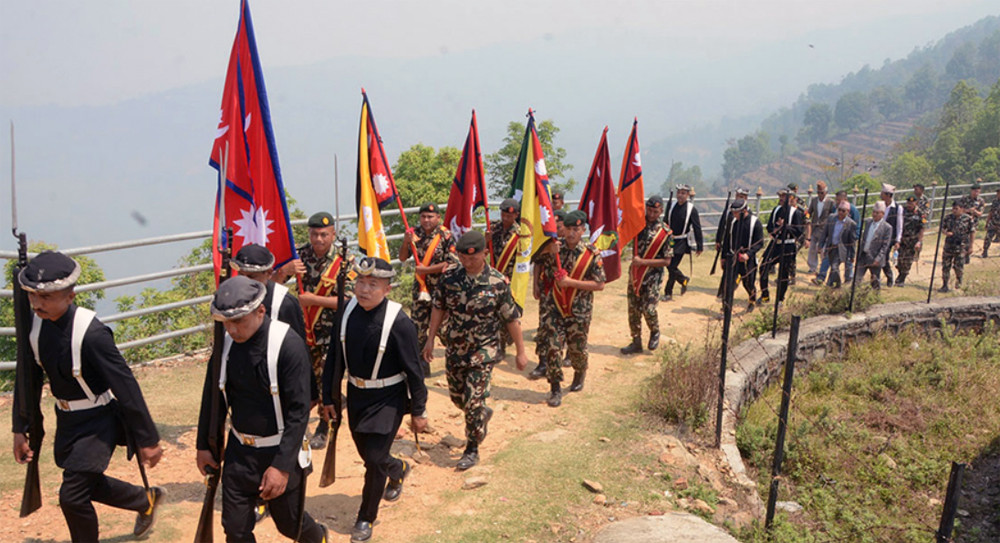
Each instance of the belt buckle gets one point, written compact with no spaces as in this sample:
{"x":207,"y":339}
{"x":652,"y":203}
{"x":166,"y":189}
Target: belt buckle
{"x":249,"y":441}
{"x":63,"y":404}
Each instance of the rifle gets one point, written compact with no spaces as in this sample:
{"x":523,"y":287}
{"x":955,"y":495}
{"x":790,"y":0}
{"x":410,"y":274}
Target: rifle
{"x":725,"y":210}
{"x":329,"y":474}
{"x":28,"y":389}
{"x":216,"y":424}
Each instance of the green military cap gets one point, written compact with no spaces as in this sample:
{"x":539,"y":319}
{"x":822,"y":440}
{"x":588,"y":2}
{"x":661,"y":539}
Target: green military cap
{"x":793,"y":186}
{"x":471,"y":242}
{"x":510,"y":205}
{"x":976,"y":186}
{"x":654,"y":201}
{"x":320,"y":220}
{"x":575,"y":218}
{"x":560,"y":215}
{"x":430,"y":207}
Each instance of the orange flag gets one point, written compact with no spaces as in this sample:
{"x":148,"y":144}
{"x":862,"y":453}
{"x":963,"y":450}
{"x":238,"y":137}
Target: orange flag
{"x":631,"y":195}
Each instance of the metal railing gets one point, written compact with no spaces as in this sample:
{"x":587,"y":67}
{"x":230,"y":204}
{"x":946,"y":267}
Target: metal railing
{"x":710,"y":212}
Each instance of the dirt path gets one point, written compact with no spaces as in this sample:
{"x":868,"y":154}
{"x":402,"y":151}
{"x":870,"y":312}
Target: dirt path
{"x":433,"y":500}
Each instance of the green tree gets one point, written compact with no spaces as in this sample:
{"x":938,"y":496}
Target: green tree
{"x":909,"y":168}
{"x":987,"y":67}
{"x":747,"y":154}
{"x":987,"y":166}
{"x":888,"y":101}
{"x":679,"y":175}
{"x":862,"y":181}
{"x":852,"y":111}
{"x":425,"y":175}
{"x":90,"y":272}
{"x":961,"y":108}
{"x":922,"y":87}
{"x":984,"y":131}
{"x":500,"y":165}
{"x":948,"y":156}
{"x":963,"y":63}
{"x":815,"y":123}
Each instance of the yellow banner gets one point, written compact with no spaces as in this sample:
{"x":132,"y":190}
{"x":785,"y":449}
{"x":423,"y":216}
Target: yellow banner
{"x":371,"y":235}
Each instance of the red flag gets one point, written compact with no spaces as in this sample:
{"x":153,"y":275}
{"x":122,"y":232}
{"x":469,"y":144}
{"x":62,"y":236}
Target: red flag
{"x":378,"y":164}
{"x":468,"y":189}
{"x":601,"y":206}
{"x":255,"y":206}
{"x":631,"y":195}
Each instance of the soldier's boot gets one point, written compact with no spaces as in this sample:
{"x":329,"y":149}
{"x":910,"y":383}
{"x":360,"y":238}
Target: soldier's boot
{"x":684,"y":285}
{"x":469,"y":458}
{"x":318,"y":440}
{"x":901,"y":280}
{"x":634,"y":347}
{"x":555,"y":394}
{"x":654,"y":340}
{"x":944,"y":284}
{"x":567,"y":362}
{"x":538,"y":372}
{"x":578,"y":378}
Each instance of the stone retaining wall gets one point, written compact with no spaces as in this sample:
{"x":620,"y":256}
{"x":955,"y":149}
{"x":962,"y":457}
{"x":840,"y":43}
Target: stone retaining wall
{"x":754,"y":363}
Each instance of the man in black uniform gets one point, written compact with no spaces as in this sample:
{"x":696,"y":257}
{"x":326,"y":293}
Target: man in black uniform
{"x":682,"y":219}
{"x":786,"y":226}
{"x":385,"y":381}
{"x":256,"y":262}
{"x":265,"y":386}
{"x":744,"y":238}
{"x":97,"y":401}
{"x":720,"y":232}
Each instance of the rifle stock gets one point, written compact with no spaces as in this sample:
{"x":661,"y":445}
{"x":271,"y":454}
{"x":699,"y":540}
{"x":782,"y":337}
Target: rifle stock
{"x":216,"y":425}
{"x":28,"y":388}
{"x":329,"y":474}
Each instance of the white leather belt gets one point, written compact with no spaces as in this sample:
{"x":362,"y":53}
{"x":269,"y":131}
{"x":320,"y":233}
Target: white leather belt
{"x":789,"y":241}
{"x":257,"y":441}
{"x":84,"y":404}
{"x":376,"y":383}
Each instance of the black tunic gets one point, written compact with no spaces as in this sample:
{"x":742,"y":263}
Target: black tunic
{"x":743,"y":239}
{"x":377,"y":410}
{"x":675,"y":219}
{"x":290,"y":311}
{"x":86,"y":439}
{"x":249,"y":394}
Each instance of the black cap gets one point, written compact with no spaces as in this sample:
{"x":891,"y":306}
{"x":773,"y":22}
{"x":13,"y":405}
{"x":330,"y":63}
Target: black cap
{"x":918,"y":185}
{"x":237,"y":297}
{"x":471,"y":242}
{"x":510,"y":205}
{"x":737,"y":205}
{"x":430,"y":207}
{"x":320,"y":220}
{"x":911,"y":199}
{"x":560,"y":215}
{"x":374,"y":267}
{"x":252,"y":258}
{"x":793,"y":186}
{"x":50,"y":271}
{"x":654,"y":201}
{"x":575,"y":218}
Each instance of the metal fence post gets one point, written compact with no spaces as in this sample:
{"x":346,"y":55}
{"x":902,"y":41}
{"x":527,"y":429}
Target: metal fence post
{"x":779,"y":445}
{"x":950,"y":503}
{"x":933,"y":197}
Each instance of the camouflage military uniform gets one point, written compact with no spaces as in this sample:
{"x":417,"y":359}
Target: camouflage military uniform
{"x":546,"y":306}
{"x":924,"y":207}
{"x":499,"y":237}
{"x":315,"y":266}
{"x":992,"y":227}
{"x":444,"y":252}
{"x":968,"y":203}
{"x":913,"y":228}
{"x":478,"y":307}
{"x":643,"y":303}
{"x":955,"y":245}
{"x":572,"y":330}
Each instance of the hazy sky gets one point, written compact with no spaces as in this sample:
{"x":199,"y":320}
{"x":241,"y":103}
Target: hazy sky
{"x":70,"y":52}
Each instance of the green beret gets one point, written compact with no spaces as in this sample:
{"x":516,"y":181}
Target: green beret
{"x":471,"y":242}
{"x":320,"y":220}
{"x":654,"y":201}
{"x":510,"y":205}
{"x":560,"y":215}
{"x":430,"y":207}
{"x":575,"y":218}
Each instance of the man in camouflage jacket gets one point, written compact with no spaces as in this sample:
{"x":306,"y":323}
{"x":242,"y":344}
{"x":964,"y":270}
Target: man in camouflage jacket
{"x":957,"y":231}
{"x":571,"y":289}
{"x":992,"y":225}
{"x":913,"y":234}
{"x":645,"y":275}
{"x":477,"y":302}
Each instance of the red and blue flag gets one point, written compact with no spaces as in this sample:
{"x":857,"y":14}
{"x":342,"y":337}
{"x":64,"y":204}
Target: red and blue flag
{"x":468,"y":189}
{"x":254,"y":197}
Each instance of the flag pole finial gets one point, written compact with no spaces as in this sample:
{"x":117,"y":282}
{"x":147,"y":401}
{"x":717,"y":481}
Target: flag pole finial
{"x":605,"y":129}
{"x":362,"y":90}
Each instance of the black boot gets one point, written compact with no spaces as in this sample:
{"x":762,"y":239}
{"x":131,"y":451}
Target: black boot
{"x":555,"y":396}
{"x":634,"y":347}
{"x":578,"y":378}
{"x":538,"y":372}
{"x":469,"y":458}
{"x":654,"y":340}
{"x":318,"y":440}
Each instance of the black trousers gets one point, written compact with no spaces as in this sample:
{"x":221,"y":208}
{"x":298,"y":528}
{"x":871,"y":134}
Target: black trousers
{"x":80,"y":489}
{"x":379,"y":466}
{"x":242,"y":472}
{"x":746,"y":273}
{"x":674,"y":274}
{"x":782,"y":255}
